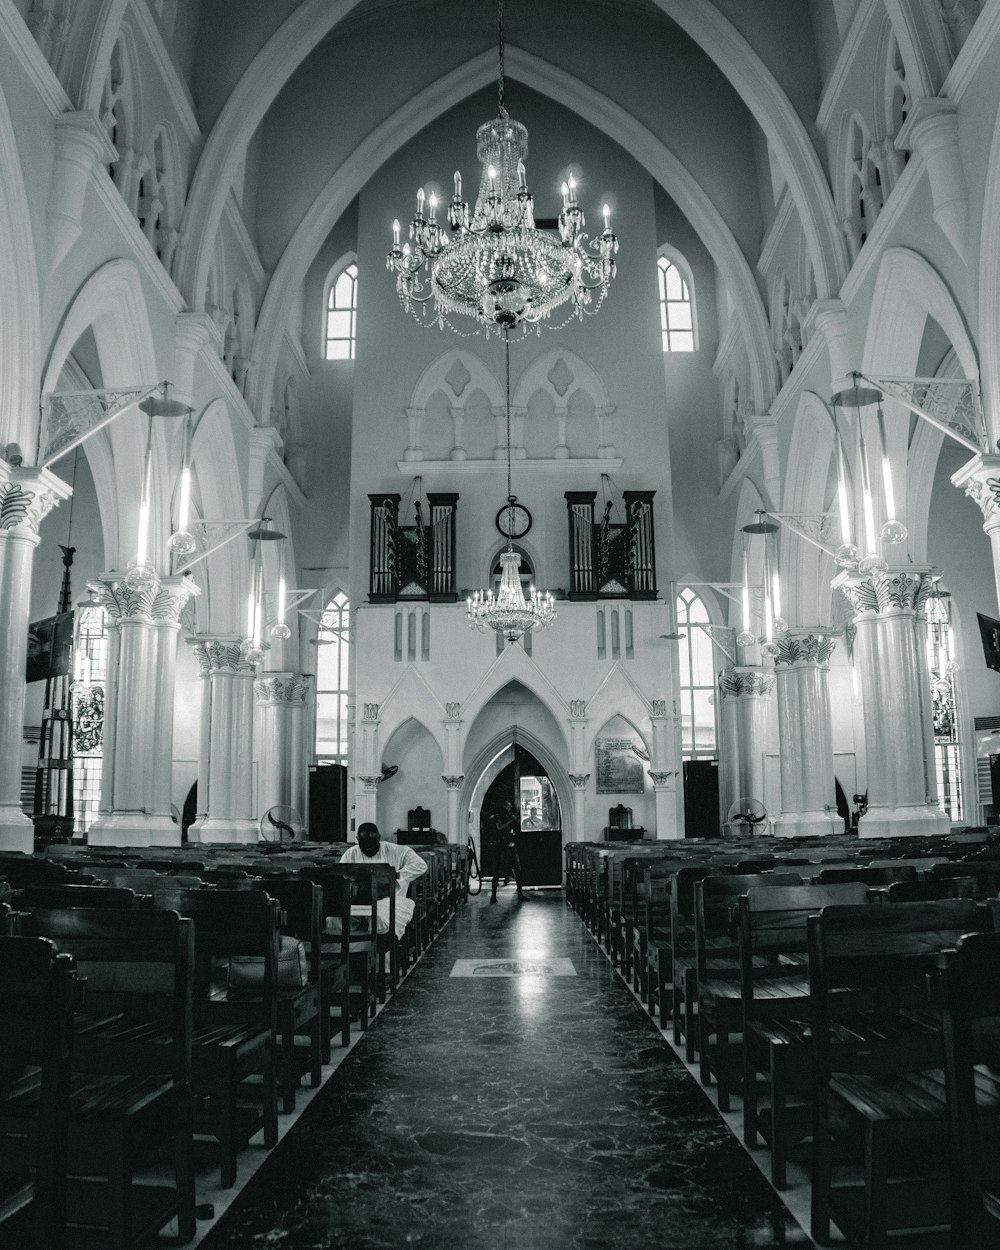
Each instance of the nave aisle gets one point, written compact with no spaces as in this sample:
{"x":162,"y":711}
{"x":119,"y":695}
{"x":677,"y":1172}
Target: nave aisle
{"x":514,"y":1112}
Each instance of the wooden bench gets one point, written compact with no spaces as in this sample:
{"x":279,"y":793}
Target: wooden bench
{"x":234,"y":1039}
{"x":38,"y":989}
{"x":131,"y":1085}
{"x":880,"y":1100}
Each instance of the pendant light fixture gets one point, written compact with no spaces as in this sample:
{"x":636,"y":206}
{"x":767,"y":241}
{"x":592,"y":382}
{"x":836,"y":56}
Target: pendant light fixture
{"x":253,"y":645}
{"x":773,"y":622}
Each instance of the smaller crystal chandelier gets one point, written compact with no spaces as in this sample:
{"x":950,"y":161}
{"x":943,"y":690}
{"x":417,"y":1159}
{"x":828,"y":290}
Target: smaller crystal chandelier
{"x":893,"y":531}
{"x":508,"y":612}
{"x":773,"y":620}
{"x":499,"y":268}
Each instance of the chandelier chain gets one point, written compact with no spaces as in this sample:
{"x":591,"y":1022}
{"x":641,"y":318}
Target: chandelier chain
{"x":502,"y":106}
{"x":506,"y":343}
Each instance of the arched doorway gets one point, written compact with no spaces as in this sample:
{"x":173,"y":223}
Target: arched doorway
{"x":525,"y":786}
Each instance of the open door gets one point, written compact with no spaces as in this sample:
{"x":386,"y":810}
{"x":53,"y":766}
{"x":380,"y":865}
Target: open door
{"x":526,"y":785}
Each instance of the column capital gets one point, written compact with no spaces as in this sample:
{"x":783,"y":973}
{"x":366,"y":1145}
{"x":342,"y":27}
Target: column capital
{"x":658,"y":709}
{"x":453,"y":782}
{"x":370,"y":713}
{"x":172,"y":598}
{"x":931,"y":122}
{"x":579,"y":780}
{"x":736,"y":682}
{"x":288,"y":689}
{"x":661,"y":780}
{"x":27,"y":495}
{"x":800,"y":648}
{"x":370,"y":783}
{"x":901,"y":588}
{"x":578,"y":709}
{"x":453,"y":711}
{"x":980,"y":479}
{"x":222,"y":654}
{"x":123,"y":602}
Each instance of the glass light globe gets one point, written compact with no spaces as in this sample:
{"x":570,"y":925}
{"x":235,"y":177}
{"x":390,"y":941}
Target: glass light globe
{"x":780,"y":625}
{"x":181,"y":543}
{"x":893,"y":532}
{"x":951,"y":668}
{"x":139,"y":575}
{"x":745,"y":639}
{"x":846,"y":554}
{"x":872,"y":564}
{"x":254,"y":655}
{"x":280,"y":630}
{"x":770,"y":649}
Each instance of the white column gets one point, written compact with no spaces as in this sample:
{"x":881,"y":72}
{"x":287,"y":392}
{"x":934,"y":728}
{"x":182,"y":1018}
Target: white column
{"x":805,"y":732}
{"x":746,"y":696}
{"x":227,"y":775}
{"x":665,"y":798}
{"x":281,"y":703}
{"x":579,"y":784}
{"x":369,"y":764}
{"x":664,"y":770}
{"x":980,"y":479}
{"x":136,"y":783}
{"x":890,"y":650}
{"x":931,"y":131}
{"x":26,"y":496}
{"x":453,"y":784}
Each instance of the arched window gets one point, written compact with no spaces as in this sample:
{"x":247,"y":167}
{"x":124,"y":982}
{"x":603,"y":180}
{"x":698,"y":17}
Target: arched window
{"x":697,"y":684}
{"x":332,"y":655}
{"x":90,"y":673}
{"x":677,"y":324}
{"x":342,"y":315}
{"x":947,"y":749}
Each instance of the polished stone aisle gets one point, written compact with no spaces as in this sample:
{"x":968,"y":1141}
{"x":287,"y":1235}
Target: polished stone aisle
{"x":509,"y":1112}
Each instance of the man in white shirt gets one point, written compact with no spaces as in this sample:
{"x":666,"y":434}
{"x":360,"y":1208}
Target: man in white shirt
{"x":370,"y":849}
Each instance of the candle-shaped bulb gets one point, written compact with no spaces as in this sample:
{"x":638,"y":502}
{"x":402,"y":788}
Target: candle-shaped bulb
{"x":572,"y":188}
{"x":491,"y":173}
{"x":458,"y":185}
{"x":522,"y":177}
{"x":395,"y":233}
{"x":282,"y":597}
{"x":406,"y":249}
{"x":565,"y":195}
{"x":606,"y":210}
{"x":420,"y":201}
{"x":434,"y":206}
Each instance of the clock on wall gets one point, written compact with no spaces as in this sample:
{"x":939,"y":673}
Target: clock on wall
{"x":513,"y":520}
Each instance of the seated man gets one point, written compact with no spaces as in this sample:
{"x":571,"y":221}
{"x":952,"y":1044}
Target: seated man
{"x":370,"y":849}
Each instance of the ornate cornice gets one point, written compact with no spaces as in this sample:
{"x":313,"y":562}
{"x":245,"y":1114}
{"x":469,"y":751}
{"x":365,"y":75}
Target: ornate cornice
{"x":453,"y":782}
{"x":734,"y":682}
{"x":804,"y":649}
{"x":579,"y":780}
{"x":284,"y":688}
{"x":221,"y":655}
{"x":27,"y":495}
{"x":904,"y":588}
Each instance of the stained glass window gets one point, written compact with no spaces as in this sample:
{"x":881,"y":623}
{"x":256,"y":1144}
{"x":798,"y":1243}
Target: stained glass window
{"x":947,"y":749}
{"x":90,"y":675}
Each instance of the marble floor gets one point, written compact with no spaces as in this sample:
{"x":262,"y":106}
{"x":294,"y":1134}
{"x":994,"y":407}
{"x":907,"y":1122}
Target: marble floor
{"x":511,"y":1106}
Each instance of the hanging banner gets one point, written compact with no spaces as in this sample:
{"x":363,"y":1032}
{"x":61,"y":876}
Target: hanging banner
{"x":50,"y":647}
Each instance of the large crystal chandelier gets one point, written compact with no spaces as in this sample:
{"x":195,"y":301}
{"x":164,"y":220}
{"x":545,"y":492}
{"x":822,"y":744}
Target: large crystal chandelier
{"x":507,"y":611}
{"x":498,"y":267}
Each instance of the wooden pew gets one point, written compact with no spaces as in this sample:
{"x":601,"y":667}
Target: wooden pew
{"x":235,"y":1036}
{"x":38,"y":989}
{"x":131,"y":1084}
{"x":880,"y":1100}
{"x":968,"y":992}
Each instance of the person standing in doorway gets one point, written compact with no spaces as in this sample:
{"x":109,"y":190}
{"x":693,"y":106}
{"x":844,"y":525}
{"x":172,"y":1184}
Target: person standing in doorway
{"x":508,"y":861}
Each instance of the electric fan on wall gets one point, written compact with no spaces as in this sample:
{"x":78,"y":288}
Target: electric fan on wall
{"x":281,"y":824}
{"x":745,"y":816}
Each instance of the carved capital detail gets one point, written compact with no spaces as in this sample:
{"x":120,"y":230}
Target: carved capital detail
{"x":578,"y":708}
{"x":221,"y":655}
{"x":453,"y":711}
{"x":734,"y":682}
{"x":579,"y":780}
{"x":661,"y":778}
{"x":370,"y":782}
{"x":453,"y":782}
{"x":904,"y":588}
{"x":122,"y":602}
{"x":659,"y":707}
{"x":370,"y":712}
{"x":171,"y":598}
{"x":27,"y":496}
{"x":804,"y":649}
{"x":980,"y":479}
{"x":290,"y":688}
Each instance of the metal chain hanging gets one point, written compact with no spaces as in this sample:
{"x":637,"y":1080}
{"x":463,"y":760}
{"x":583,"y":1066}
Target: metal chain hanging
{"x":502,"y":106}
